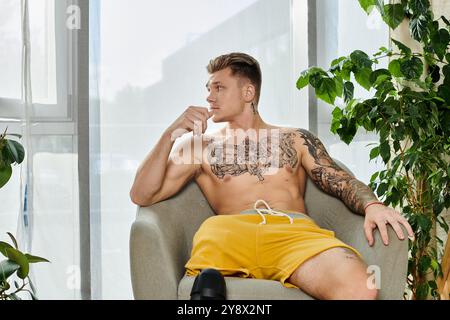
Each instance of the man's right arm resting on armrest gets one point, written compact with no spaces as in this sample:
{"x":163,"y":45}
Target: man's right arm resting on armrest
{"x":159,"y":176}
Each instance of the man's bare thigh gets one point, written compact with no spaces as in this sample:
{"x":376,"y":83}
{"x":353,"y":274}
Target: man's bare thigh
{"x":327,"y":271}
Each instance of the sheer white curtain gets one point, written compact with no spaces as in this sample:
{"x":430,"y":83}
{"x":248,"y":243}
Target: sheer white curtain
{"x":40,"y":203}
{"x":152,"y":67}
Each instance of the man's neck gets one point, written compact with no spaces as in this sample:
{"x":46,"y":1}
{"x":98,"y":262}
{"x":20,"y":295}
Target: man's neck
{"x":246,"y":122}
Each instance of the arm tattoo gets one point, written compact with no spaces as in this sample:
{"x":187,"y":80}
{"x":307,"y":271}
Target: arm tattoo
{"x":332,"y":179}
{"x":255,"y":158}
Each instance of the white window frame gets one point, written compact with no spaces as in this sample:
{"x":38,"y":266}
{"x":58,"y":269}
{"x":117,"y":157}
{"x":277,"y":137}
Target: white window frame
{"x":52,"y":119}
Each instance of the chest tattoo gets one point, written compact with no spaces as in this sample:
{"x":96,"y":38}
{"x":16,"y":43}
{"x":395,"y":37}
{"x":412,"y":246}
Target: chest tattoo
{"x":257,"y":158}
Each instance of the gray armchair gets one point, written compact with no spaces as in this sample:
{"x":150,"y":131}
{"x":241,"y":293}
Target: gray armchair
{"x":161,"y":243}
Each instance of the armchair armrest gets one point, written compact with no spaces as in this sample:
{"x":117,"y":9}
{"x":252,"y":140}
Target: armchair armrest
{"x":161,"y":242}
{"x":392,"y":260}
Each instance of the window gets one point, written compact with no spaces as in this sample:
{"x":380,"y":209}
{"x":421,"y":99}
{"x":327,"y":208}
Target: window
{"x":50,"y":43}
{"x":54,"y":158}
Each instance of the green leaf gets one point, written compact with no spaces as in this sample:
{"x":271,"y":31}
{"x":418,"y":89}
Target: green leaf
{"x":347,"y":68}
{"x":393,"y":15}
{"x":19,"y":258}
{"x":335,"y":123}
{"x":380,"y":6}
{"x":339,"y":85}
{"x":385,"y":151}
{"x":347,"y":130}
{"x":396,"y":145}
{"x":379,"y":75}
{"x":5,"y":175}
{"x":14,"y":241}
{"x":361,"y":59}
{"x":424,"y":264}
{"x":336,"y":65}
{"x":362,"y":76}
{"x":419,"y":6}
{"x":311,"y":75}
{"x":422,"y":291}
{"x":375,"y":152}
{"x":374,"y":176}
{"x":348,"y":91}
{"x":14,"y":296}
{"x":326,"y":90}
{"x":394,"y":68}
{"x":432,"y":284}
{"x":382,"y":188}
{"x":434,"y":72}
{"x":16,"y":151}
{"x":418,"y":27}
{"x":337,"y":61}
{"x":303,"y":80}
{"x":444,"y":225}
{"x":412,"y":68}
{"x":439,"y":42}
{"x":403,"y":48}
{"x":35,"y":259}
{"x":3,"y":246}
{"x":446,"y":73}
{"x":367,"y":5}
{"x":443,"y":92}
{"x":7,"y":268}
{"x":424,"y":223}
{"x":14,"y":135}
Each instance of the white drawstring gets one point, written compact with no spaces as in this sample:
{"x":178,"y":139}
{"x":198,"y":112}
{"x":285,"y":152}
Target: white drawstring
{"x":270,"y":211}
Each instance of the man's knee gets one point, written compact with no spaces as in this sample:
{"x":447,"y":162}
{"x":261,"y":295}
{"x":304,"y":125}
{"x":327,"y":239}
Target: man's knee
{"x":355,"y":290}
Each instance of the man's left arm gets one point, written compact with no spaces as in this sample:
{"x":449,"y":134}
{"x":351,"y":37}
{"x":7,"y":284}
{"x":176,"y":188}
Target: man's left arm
{"x":356,"y":195}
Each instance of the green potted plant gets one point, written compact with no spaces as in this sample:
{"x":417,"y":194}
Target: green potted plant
{"x":11,"y":152}
{"x":409,"y":109}
{"x":16,"y":263}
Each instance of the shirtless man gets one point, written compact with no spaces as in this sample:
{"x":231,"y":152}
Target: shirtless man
{"x":274,"y":171}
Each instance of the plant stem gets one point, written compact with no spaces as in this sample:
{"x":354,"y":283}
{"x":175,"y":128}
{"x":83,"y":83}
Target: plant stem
{"x":21,"y":288}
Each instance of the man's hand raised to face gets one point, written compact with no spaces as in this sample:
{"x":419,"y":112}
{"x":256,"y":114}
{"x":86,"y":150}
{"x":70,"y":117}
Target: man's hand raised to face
{"x":193,"y":119}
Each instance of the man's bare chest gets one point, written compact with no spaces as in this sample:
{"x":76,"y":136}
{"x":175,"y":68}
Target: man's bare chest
{"x":266,"y":157}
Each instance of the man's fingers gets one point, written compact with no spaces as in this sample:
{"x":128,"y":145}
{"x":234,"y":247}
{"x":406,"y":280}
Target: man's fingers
{"x":194,"y":123}
{"x":405,"y":223}
{"x":202,"y":110}
{"x":203,"y":116}
{"x":383,"y":232}
{"x":395,"y":225}
{"x":199,"y":119}
{"x":368,"y":230}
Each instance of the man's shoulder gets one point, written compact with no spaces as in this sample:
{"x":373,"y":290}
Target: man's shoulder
{"x":298,"y":134}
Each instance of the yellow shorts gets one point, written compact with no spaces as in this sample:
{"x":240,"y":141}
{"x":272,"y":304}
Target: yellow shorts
{"x":238,"y":245}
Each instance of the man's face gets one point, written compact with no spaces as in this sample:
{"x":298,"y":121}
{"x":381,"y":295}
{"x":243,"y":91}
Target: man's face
{"x":225,"y":95}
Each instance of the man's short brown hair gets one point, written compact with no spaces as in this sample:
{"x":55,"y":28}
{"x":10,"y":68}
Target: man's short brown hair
{"x":241,"y":65}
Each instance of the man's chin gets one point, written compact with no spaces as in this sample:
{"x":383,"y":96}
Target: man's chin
{"x":217,"y":120}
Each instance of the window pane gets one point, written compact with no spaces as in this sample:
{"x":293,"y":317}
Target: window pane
{"x":43,"y":57}
{"x":348,"y":29}
{"x":10,"y":49}
{"x":56,"y":223}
